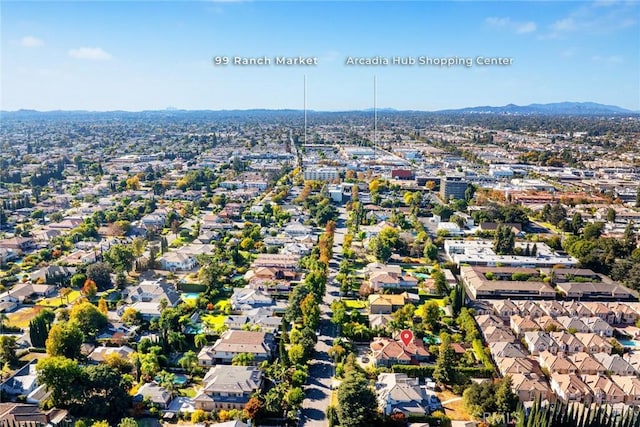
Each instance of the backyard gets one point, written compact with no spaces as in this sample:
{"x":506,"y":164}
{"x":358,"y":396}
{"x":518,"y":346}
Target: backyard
{"x":55,"y":302}
{"x":22,"y":317}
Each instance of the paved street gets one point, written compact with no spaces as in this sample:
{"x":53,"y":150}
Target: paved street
{"x":321,"y":369}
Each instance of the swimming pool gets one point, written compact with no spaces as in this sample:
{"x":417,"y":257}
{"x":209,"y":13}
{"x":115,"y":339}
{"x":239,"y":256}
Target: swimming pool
{"x":431,"y":339}
{"x":179,"y":379}
{"x":629,"y":343}
{"x":421,"y":275}
{"x":190,"y":295}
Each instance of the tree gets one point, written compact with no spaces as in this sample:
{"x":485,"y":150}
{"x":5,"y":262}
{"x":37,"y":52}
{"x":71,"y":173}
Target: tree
{"x":479,"y":399}
{"x":310,"y":312}
{"x":39,"y":328}
{"x":338,"y":312}
{"x":294,"y":397}
{"x":357,"y":405}
{"x":100,"y":273}
{"x":104,"y":393}
{"x":293,"y":311}
{"x":128,"y":422}
{"x":65,"y":339}
{"x":77,"y":280}
{"x":137,"y":246}
{"x":87,"y":317}
{"x":102,"y":306}
{"x":63,"y":377}
{"x":506,"y":400}
{"x":445,"y":363}
{"x":554,"y":214}
{"x":243,"y":359}
{"x":457,"y":299}
{"x":593,"y":230}
{"x":440,"y":281}
{"x":253,"y":408}
{"x":380,"y":249}
{"x":430,"y":313}
{"x":296,"y":354}
{"x":629,"y":238}
{"x":121,"y":280}
{"x":8,"y":347}
{"x":504,"y":242}
{"x":131,"y":316}
{"x":119,"y":363}
{"x":189,"y":360}
{"x":638,"y":197}
{"x":133,"y":183}
{"x":121,"y":257}
{"x":200,"y":340}
{"x":198,"y":416}
{"x":611,"y":215}
{"x":430,"y":251}
{"x":89,"y":289}
{"x":576,"y":223}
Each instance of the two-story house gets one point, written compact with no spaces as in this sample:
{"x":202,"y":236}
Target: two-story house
{"x":228,"y":387}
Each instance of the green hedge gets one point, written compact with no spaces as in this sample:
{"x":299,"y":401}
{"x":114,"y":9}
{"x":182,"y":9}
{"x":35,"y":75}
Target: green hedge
{"x":191,"y":287}
{"x":427,"y":371}
{"x":414,"y":371}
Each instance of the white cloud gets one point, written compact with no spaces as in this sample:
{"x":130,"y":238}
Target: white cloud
{"x":92,"y":53}
{"x":526,"y":27}
{"x":497,"y":22}
{"x":596,"y":18}
{"x":613,"y":59}
{"x":508,"y":24}
{"x":30,"y":41}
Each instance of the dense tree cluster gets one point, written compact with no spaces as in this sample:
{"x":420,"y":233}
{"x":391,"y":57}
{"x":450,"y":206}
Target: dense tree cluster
{"x":96,"y":391}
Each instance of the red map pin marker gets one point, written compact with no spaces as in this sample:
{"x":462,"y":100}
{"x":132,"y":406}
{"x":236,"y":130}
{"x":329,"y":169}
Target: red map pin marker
{"x":406,"y":336}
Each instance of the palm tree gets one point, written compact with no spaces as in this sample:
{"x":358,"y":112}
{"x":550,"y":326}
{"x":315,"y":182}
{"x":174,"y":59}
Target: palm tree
{"x":189,"y":360}
{"x":177,"y":340}
{"x":200,"y":340}
{"x":243,"y":359}
{"x":360,"y":330}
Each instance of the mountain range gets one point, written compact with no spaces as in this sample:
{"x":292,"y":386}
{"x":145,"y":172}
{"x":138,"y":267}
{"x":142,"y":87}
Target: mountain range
{"x":552,"y":109}
{"x":557,"y":108}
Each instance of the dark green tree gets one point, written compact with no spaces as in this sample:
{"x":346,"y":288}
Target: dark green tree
{"x":8,"y":347}
{"x":444,"y":372}
{"x":100,"y":273}
{"x":506,"y":400}
{"x":39,"y":328}
{"x":576,"y":223}
{"x":357,"y":406}
{"x":120,"y":257}
{"x":504,"y":241}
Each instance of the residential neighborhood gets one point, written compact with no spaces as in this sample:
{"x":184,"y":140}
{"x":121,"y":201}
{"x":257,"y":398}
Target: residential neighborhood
{"x":225,"y":273}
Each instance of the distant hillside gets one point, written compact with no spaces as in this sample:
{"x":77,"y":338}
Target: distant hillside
{"x":558,"y":108}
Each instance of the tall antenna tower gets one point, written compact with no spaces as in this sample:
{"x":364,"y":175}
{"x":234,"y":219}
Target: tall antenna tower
{"x":305,"y":109}
{"x":375,"y":117}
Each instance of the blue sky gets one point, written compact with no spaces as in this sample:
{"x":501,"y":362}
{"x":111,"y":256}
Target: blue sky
{"x":137,"y":55}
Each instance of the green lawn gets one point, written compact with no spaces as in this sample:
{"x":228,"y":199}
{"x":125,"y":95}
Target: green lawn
{"x":56,"y":301}
{"x":187,"y":391}
{"x":355,"y":304}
